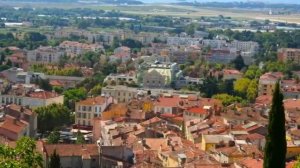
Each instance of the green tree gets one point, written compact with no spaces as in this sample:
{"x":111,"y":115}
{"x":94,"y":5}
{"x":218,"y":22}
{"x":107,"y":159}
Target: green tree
{"x":226,"y":86}
{"x":115,"y":43}
{"x":73,"y":95}
{"x":96,"y":90}
{"x":83,"y":24}
{"x":252,"y":90}
{"x":241,"y":86}
{"x":190,"y":29}
{"x":297,"y":164}
{"x":132,"y":43}
{"x":209,"y":86}
{"x":34,"y":36}
{"x":253,"y":72}
{"x":58,"y":89}
{"x":54,"y":137}
{"x":24,"y":155}
{"x":80,"y":138}
{"x":54,"y":161}
{"x":275,"y":148}
{"x":227,"y":99}
{"x":52,"y":116}
{"x":44,"y":84}
{"x":238,"y":62}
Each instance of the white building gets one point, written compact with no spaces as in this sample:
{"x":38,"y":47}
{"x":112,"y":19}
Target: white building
{"x":127,"y":78}
{"x":86,"y":110}
{"x":73,"y":48}
{"x":26,"y":95}
{"x":183,"y":41}
{"x":160,"y":75}
{"x":45,"y":55}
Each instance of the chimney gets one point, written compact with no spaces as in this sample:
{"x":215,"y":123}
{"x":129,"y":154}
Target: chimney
{"x":15,"y":121}
{"x":253,"y":155}
{"x":22,"y":110}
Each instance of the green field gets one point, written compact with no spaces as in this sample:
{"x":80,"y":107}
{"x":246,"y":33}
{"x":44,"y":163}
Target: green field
{"x":176,"y":11}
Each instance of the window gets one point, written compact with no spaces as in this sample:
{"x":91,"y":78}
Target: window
{"x":89,"y":115}
{"x":83,"y":122}
{"x":83,"y":115}
{"x":90,"y":108}
{"x":84,"y":108}
{"x":89,"y":122}
{"x":95,"y":115}
{"x":3,"y":100}
{"x":78,"y":108}
{"x":78,"y":115}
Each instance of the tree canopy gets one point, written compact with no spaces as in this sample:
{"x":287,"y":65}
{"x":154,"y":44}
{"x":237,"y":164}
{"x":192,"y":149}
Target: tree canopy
{"x":54,"y":161}
{"x":276,"y":145}
{"x":24,"y":155}
{"x":52,"y":116}
{"x":73,"y":95}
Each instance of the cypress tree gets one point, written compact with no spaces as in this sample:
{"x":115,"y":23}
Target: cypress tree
{"x":54,"y":160}
{"x":275,"y":148}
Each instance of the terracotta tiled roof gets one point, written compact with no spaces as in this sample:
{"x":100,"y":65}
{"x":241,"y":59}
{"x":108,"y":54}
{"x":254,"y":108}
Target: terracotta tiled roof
{"x":290,"y":104}
{"x":56,"y":83}
{"x":231,"y":72}
{"x":93,"y":101}
{"x":271,"y":76}
{"x":197,"y":110}
{"x":263,"y":99}
{"x":168,"y":101}
{"x":43,"y":95}
{"x":290,"y":164}
{"x":254,"y":136}
{"x":151,"y":121}
{"x":156,"y":143}
{"x":251,"y":163}
{"x":13,"y":125}
{"x":72,"y":149}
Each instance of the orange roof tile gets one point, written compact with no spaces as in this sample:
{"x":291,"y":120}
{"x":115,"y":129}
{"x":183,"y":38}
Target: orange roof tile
{"x":56,"y":83}
{"x":156,"y":143}
{"x":13,"y":125}
{"x":251,"y":163}
{"x":43,"y":95}
{"x":93,"y":101}
{"x":290,"y":104}
{"x":231,"y":71}
{"x":197,"y":110}
{"x":151,"y":121}
{"x":168,"y":101}
{"x":62,"y":150}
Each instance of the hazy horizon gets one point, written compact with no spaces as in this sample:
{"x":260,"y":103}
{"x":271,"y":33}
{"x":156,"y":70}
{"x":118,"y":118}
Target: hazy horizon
{"x":265,"y":1}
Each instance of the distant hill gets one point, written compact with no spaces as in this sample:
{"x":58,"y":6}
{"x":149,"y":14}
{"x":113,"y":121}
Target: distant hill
{"x":225,"y":1}
{"x":130,"y":2}
{"x":246,"y":5}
